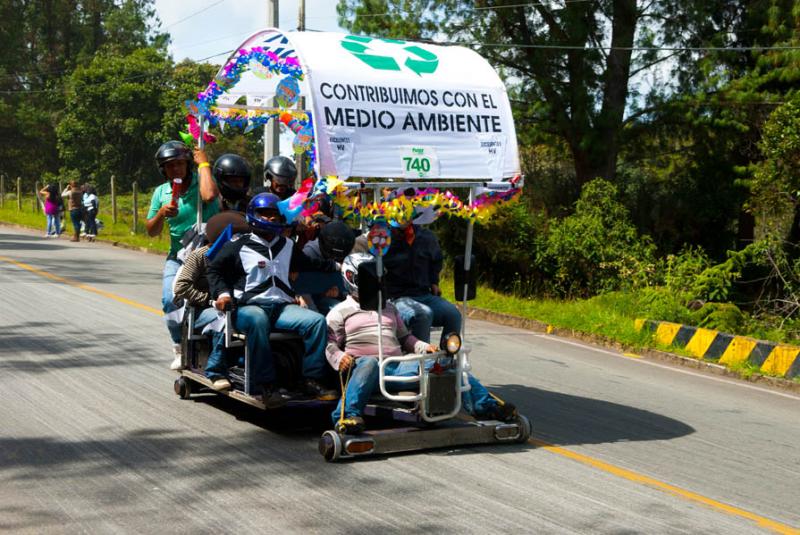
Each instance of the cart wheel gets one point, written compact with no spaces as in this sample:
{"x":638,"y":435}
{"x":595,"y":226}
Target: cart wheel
{"x":183,"y":387}
{"x":524,"y":428}
{"x":330,"y":446}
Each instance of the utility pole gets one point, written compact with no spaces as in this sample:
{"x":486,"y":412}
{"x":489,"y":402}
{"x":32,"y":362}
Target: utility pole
{"x":272,"y":129}
{"x":301,"y":27}
{"x":301,"y":16}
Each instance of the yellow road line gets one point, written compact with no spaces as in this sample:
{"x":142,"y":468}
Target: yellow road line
{"x":665,"y":487}
{"x":82,"y":286}
{"x":584,"y":459}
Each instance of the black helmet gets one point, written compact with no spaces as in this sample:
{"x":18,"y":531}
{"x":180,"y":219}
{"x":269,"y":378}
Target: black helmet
{"x":281,"y":169}
{"x":336,"y":240}
{"x":230,"y":165}
{"x":172,"y":150}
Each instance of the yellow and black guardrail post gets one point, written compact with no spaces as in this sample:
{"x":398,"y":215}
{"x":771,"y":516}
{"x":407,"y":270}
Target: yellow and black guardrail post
{"x":728,"y":349}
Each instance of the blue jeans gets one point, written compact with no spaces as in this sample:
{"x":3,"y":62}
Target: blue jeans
{"x":423,"y":311}
{"x":91,"y":222}
{"x":216,"y":366}
{"x":76,"y":216}
{"x":171,"y":267}
{"x":53,"y":227}
{"x":364,"y":381}
{"x":257,"y":321}
{"x":477,"y":400}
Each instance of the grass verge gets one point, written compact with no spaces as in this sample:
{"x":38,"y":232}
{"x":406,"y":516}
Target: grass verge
{"x":609,"y":318}
{"x":120,"y":232}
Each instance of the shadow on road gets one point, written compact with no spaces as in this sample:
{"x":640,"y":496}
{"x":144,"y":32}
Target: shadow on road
{"x":564,"y":420}
{"x":43,"y":347}
{"x":27,"y":242}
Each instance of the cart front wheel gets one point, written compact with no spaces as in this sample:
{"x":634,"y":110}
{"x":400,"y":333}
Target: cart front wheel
{"x":330,"y":446}
{"x":525,"y":429}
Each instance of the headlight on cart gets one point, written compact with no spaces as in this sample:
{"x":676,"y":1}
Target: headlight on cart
{"x":452,"y":343}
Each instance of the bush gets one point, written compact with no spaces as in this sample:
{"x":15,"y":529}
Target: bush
{"x":663,"y":304}
{"x":680,"y":271}
{"x":596,"y":249}
{"x":505,"y":247}
{"x":720,"y":316}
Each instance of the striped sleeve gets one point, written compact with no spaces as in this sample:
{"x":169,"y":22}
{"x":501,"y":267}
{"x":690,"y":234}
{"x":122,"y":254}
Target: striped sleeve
{"x":186,"y":283}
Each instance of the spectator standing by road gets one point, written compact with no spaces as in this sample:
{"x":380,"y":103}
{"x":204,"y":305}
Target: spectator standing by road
{"x":74,"y":197}
{"x":90,"y":207}
{"x":52,"y":203}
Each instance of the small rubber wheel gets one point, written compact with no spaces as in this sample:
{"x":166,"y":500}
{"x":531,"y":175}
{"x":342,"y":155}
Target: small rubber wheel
{"x":183,"y":387}
{"x":524,"y":428}
{"x":330,"y":446}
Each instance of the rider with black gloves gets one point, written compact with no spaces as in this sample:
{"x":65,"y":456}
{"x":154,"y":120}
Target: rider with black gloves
{"x":254,"y":270}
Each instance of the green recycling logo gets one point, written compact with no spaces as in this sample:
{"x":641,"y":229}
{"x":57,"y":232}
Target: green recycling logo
{"x":418,"y":60}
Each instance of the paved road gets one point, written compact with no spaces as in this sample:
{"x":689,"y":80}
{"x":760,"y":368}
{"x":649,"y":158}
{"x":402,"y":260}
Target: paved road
{"x":92,"y":438}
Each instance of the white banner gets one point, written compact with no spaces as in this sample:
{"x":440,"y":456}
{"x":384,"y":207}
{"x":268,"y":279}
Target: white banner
{"x":391,"y":109}
{"x":395,"y":109}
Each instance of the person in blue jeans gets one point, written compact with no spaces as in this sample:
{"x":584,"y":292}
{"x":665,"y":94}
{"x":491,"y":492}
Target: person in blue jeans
{"x":191,"y":284}
{"x":175,"y":202}
{"x":413,"y":263}
{"x":253,"y":272}
{"x":353,"y":343}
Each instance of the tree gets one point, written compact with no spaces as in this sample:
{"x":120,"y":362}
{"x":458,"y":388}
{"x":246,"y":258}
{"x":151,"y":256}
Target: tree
{"x":776,"y":179}
{"x":571,"y":69}
{"x":113,"y":116}
{"x":43,"y":41}
{"x":187,"y":79}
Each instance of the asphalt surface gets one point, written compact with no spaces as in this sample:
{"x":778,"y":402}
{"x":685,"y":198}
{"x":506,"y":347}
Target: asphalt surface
{"x":93,"y":439}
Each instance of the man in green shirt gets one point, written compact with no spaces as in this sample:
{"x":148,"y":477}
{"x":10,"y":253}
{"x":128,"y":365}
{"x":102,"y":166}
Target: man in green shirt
{"x":175,"y":202}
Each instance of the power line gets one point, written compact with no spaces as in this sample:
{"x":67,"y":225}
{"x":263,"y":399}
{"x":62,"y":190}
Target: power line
{"x":214,"y":56}
{"x":193,"y":14}
{"x":485,"y":8}
{"x":607,"y":48}
{"x":626,"y":48}
{"x":103,"y":83}
{"x":200,"y":43}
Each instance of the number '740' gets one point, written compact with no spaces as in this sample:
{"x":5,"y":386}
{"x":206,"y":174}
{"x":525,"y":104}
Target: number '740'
{"x":421,"y":165}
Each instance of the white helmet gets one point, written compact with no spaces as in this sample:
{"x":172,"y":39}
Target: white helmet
{"x":350,"y":271}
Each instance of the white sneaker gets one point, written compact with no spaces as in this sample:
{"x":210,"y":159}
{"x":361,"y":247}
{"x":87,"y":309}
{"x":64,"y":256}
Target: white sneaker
{"x":177,"y":362}
{"x":221,"y":385}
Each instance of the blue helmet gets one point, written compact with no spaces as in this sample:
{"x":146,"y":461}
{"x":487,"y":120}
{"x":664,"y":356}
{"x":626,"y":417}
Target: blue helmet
{"x":263,"y":201}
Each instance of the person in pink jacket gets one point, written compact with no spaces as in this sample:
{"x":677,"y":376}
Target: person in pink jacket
{"x":52,"y":204}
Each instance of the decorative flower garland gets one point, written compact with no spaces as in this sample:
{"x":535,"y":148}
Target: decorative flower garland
{"x":419,"y":206}
{"x":248,"y":59}
{"x":425,"y":204}
{"x":264,"y":64}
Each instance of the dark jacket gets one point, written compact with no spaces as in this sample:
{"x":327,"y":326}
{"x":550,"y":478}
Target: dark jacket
{"x":412,"y":269}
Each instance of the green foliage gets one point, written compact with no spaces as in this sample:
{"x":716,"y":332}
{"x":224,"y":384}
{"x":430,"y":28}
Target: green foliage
{"x":680,"y":271}
{"x":113,"y":116}
{"x":43,"y":42}
{"x":663,"y":304}
{"x":775,"y":184}
{"x":725,"y":317}
{"x":596,"y":249}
